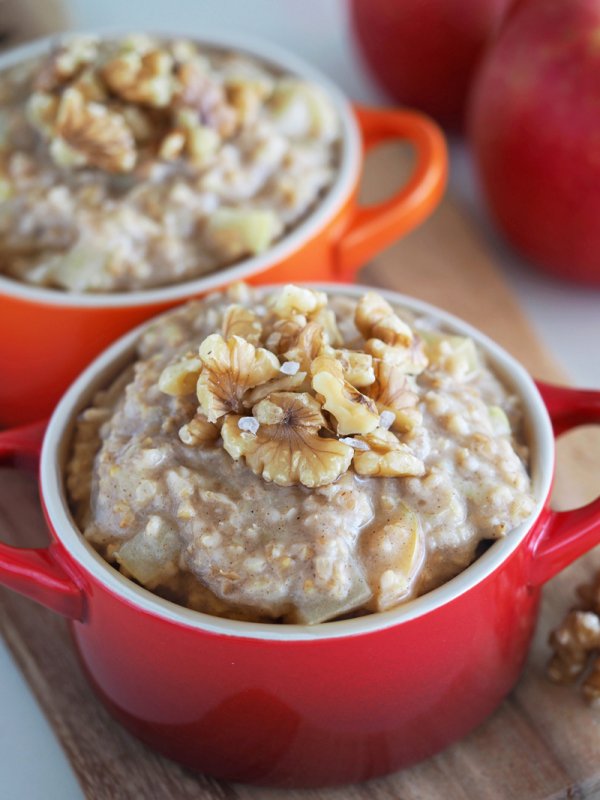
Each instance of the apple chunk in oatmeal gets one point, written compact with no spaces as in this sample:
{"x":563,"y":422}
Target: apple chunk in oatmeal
{"x":298,"y":457}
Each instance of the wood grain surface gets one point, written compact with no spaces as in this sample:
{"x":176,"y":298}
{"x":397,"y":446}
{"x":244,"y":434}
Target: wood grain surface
{"x":542,"y":743}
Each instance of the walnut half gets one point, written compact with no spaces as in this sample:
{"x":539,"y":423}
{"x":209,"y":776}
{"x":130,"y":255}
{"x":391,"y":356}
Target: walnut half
{"x":89,"y":134}
{"x":230,"y":368}
{"x":287,"y":447}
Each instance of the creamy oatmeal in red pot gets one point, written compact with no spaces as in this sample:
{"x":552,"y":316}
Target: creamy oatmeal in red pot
{"x":299,"y":457}
{"x":135,"y":163}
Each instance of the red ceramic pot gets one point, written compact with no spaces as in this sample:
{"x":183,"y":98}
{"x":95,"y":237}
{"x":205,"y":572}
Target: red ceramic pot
{"x":296,"y":705}
{"x":47,"y":337}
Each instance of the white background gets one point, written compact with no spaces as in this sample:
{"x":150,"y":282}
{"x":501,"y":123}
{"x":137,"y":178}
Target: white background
{"x":567,"y":318}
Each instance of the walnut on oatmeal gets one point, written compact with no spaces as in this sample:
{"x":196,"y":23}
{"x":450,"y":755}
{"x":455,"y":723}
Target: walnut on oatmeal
{"x":375,"y":319}
{"x":181,"y":377}
{"x":306,"y":343}
{"x":395,"y":392}
{"x":198,"y":431}
{"x":89,"y":134}
{"x":352,"y":411}
{"x":293,"y":301}
{"x":357,"y":368}
{"x":243,"y":322}
{"x":285,"y":446}
{"x":230,"y":368}
{"x":386,"y":456}
{"x":262,"y":462}
{"x":139,"y":162}
{"x":294,"y":436}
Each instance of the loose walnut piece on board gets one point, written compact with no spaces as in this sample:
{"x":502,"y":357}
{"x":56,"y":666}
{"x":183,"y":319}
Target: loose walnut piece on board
{"x":576,"y":644}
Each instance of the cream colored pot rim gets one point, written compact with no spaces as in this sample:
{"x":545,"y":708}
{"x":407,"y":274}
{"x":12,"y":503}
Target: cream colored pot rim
{"x":316,"y":221}
{"x":107,"y":365}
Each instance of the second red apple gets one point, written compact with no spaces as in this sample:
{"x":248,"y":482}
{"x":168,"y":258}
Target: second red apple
{"x":423,"y":52}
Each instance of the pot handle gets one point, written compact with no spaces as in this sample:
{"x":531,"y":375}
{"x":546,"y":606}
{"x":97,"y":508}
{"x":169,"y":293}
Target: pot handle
{"x":566,"y":535}
{"x":36,"y":573}
{"x":372,"y":228}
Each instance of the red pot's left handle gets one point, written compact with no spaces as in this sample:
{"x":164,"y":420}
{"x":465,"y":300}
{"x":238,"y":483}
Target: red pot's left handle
{"x":373,"y":228}
{"x":37,"y":574}
{"x":566,"y":535}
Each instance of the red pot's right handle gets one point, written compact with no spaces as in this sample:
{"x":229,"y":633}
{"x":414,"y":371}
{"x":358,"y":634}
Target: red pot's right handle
{"x":566,"y":535}
{"x":37,"y":574}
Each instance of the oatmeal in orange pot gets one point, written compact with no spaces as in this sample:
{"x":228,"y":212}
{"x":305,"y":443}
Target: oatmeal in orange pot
{"x":134,"y":163}
{"x":298,"y":456}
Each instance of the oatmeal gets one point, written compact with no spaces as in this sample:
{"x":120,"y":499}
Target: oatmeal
{"x":298,"y":457}
{"x":139,"y":163}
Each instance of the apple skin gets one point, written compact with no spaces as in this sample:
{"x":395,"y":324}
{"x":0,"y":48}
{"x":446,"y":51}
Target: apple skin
{"x":534,"y":125}
{"x":424,"y":52}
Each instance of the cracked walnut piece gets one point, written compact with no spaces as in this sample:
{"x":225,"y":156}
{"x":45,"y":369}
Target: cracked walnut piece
{"x":389,"y":339}
{"x":386,"y":457}
{"x":198,"y":431}
{"x":352,"y":410}
{"x":230,"y":368}
{"x":144,"y":78}
{"x":293,"y":300}
{"x":576,"y":644}
{"x":181,"y":376}
{"x":376,"y":319}
{"x":240,"y":321}
{"x":287,"y":448}
{"x":90,"y":134}
{"x":393,"y":391}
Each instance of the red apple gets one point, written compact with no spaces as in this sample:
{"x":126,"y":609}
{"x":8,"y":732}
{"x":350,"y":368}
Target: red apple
{"x":534,"y":123}
{"x":423,"y":52}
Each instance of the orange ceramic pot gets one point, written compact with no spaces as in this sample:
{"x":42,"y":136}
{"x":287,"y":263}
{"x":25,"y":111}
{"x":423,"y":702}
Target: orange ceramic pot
{"x":48,"y":336}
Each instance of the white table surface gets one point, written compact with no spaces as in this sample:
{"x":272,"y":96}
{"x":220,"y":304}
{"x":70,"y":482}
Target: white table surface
{"x":567,"y":318}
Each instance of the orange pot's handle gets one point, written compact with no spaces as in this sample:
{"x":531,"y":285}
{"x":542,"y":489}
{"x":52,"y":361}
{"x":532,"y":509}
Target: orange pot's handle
{"x":373,"y":228}
{"x":37,"y":574}
{"x":566,"y":535}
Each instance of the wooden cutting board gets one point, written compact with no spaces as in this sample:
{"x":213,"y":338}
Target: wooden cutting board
{"x":542,"y":743}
